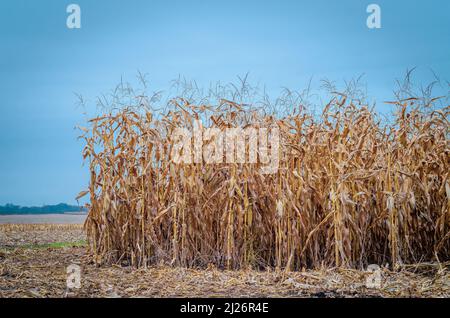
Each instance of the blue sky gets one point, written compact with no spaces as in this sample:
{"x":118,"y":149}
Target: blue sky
{"x":281,"y":44}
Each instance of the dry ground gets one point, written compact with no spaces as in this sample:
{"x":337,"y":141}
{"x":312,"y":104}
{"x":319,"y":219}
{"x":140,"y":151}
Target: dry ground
{"x":33,"y":261}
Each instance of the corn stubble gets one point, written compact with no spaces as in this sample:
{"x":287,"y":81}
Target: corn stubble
{"x":350,"y":190}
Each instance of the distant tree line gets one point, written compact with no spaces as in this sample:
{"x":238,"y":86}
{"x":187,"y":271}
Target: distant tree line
{"x":45,"y":209}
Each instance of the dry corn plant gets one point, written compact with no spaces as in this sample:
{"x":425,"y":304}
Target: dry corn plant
{"x":350,"y":190}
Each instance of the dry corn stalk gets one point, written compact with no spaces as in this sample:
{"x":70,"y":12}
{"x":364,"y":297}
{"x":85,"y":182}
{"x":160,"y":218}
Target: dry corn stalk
{"x":349,"y":191}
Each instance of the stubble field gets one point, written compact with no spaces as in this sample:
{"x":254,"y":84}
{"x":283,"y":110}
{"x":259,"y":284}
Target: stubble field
{"x":34,"y":260}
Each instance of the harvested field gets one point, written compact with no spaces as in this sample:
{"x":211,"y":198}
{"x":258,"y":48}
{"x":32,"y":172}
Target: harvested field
{"x":66,"y":218}
{"x":32,"y":269}
{"x":16,"y":235}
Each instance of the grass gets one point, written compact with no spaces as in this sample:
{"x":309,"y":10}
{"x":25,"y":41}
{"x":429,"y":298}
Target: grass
{"x":81,"y":243}
{"x":58,"y":245}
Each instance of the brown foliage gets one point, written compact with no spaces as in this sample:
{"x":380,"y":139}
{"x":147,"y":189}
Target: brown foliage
{"x":350,"y":190}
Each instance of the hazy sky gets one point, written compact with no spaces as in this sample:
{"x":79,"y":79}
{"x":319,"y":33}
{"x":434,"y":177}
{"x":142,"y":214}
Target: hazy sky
{"x":281,"y":43}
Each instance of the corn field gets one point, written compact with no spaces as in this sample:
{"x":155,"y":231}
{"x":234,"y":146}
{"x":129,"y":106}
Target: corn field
{"x":350,"y":190}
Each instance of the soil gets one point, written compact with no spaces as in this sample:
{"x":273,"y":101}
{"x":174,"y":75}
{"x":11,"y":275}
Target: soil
{"x":30,"y":268}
